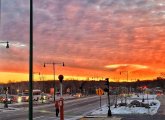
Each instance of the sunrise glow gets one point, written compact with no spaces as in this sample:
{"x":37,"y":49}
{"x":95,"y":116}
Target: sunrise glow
{"x":95,"y":39}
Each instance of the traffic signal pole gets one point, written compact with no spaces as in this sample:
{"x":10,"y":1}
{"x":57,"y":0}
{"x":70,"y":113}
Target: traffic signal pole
{"x":107,"y":90}
{"x":109,"y":110}
{"x":100,"y":104}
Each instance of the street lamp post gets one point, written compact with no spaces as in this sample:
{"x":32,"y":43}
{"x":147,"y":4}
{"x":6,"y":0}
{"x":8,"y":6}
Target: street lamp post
{"x":39,"y":78}
{"x":41,"y":86}
{"x":127,"y":91}
{"x":0,"y":11}
{"x":42,"y":81}
{"x":31,"y":63}
{"x":53,"y":63}
{"x":126,"y":73}
{"x":7,"y":46}
{"x":7,"y":43}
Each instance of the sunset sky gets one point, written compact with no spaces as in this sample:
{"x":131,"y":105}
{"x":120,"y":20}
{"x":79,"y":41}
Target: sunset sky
{"x":94,"y":38}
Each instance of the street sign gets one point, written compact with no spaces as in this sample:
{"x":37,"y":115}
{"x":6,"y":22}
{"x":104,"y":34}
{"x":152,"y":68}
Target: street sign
{"x":99,"y":92}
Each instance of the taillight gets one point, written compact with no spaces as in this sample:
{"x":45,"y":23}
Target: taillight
{"x":27,"y":98}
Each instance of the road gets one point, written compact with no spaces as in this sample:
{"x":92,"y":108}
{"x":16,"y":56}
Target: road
{"x":74,"y":109}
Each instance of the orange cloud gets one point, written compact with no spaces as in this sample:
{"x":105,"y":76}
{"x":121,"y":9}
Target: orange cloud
{"x":87,"y":35}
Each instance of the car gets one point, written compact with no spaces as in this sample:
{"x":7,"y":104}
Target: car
{"x":23,"y":97}
{"x":78,"y":95}
{"x":45,"y":96}
{"x":2,"y":97}
{"x":9,"y":98}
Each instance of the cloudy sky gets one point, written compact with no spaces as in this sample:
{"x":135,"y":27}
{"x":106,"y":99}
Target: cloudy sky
{"x":95,"y":38}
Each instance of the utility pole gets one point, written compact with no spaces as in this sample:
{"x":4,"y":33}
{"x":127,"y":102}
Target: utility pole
{"x":54,"y":85}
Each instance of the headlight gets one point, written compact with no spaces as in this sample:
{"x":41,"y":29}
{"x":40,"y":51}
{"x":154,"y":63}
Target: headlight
{"x":19,"y":99}
{"x":44,"y":97}
{"x":27,"y":98}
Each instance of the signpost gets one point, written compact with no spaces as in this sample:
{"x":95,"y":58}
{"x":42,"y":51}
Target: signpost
{"x":99,"y":92}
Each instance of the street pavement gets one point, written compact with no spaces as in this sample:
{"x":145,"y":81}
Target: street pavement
{"x":161,"y":110}
{"x":74,"y":110}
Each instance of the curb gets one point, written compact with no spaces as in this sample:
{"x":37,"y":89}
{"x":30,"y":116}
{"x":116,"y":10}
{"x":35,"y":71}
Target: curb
{"x":100,"y":118}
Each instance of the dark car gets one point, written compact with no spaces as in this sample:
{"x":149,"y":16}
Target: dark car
{"x":12,"y":98}
{"x":9,"y":98}
{"x":2,"y":97}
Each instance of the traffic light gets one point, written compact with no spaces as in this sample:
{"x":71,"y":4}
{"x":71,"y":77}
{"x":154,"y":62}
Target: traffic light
{"x":107,"y":82}
{"x":60,"y":77}
{"x":5,"y":88}
{"x":107,"y":85}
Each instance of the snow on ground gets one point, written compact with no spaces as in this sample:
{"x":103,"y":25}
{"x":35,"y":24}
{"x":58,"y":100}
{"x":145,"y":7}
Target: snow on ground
{"x":141,"y":96}
{"x":154,"y":106}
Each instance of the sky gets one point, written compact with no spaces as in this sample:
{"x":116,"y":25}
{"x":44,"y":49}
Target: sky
{"x":95,"y":39}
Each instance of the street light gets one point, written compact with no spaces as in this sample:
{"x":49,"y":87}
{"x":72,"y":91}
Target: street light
{"x":53,"y":63}
{"x":126,"y":73}
{"x":0,"y":11}
{"x":39,"y":76}
{"x":31,"y":63}
{"x":41,"y":80}
{"x":126,"y":86}
{"x":127,"y":80}
{"x":7,"y":44}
